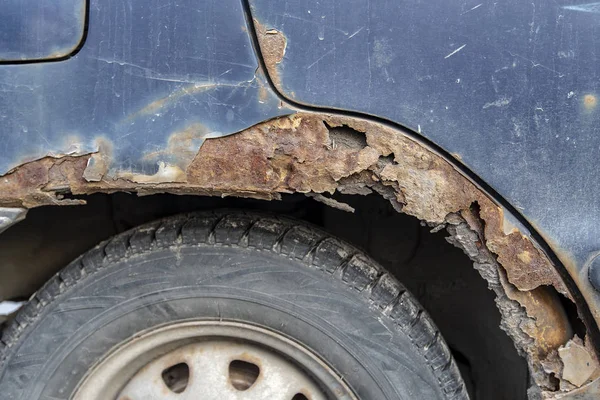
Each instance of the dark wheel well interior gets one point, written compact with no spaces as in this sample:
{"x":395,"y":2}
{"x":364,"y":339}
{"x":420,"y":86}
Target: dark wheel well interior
{"x":438,"y":274}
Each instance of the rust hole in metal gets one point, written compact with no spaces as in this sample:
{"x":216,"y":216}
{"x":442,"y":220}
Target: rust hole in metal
{"x":300,"y":396}
{"x":176,"y":377}
{"x":346,"y":137}
{"x":243,"y":374}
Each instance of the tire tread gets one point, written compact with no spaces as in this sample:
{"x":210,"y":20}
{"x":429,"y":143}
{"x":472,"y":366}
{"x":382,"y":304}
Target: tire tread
{"x":284,"y":236}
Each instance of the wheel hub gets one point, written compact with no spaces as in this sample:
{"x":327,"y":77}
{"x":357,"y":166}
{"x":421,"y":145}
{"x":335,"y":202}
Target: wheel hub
{"x":212,"y":360}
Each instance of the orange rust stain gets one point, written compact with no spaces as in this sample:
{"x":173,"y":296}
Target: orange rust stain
{"x":156,"y":105}
{"x":590,"y":102}
{"x":272,"y":46}
{"x":263,"y":93}
{"x":181,"y":145}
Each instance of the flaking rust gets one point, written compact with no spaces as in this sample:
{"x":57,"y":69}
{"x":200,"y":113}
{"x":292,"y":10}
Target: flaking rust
{"x":323,"y":154}
{"x":272,"y":47}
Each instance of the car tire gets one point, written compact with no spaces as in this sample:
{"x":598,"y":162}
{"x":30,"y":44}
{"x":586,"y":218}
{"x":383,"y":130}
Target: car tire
{"x":275,"y":274}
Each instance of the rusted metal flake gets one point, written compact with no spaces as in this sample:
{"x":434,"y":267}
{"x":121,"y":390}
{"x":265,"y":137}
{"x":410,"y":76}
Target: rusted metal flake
{"x":525,"y":266}
{"x":272,"y":47}
{"x":321,"y":154}
{"x":535,"y":320}
{"x":40,"y":182}
{"x":579,"y":366}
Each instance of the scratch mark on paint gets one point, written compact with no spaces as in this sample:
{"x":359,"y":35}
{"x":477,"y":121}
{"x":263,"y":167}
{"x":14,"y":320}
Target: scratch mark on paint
{"x":334,"y":48}
{"x":587,"y":8}
{"x":356,"y":33}
{"x":214,"y":60}
{"x":226,"y":72}
{"x":502,"y":102}
{"x":474,"y":8}
{"x":320,"y":58}
{"x":535,"y":64}
{"x":147,"y":73}
{"x":455,"y":51}
{"x":286,"y":15}
{"x":166,"y":79}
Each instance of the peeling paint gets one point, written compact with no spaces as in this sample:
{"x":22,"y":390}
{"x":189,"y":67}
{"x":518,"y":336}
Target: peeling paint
{"x":586,"y":392}
{"x":99,"y":162}
{"x":166,"y":173}
{"x":182,"y":147}
{"x":272,"y":46}
{"x":579,"y":366}
{"x":321,"y":154}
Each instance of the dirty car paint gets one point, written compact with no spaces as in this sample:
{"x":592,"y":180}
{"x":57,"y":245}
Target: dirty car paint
{"x":509,"y":87}
{"x":41,"y":30}
{"x":144,"y":74}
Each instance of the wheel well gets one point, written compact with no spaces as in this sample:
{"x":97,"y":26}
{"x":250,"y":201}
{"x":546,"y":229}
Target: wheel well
{"x":438,"y":274}
{"x":325,"y":157}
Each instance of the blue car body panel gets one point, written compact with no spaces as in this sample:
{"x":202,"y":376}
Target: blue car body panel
{"x":508,"y":87}
{"x":39,"y":30}
{"x":144,"y":74}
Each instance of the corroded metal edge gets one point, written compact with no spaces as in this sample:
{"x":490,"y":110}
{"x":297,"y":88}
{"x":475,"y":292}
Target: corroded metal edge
{"x":322,"y":154}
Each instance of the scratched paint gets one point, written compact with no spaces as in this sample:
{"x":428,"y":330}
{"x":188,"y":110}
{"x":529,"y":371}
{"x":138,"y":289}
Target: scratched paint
{"x":143,"y":74}
{"x":593,"y":8}
{"x":38,"y":30}
{"x":509,"y":86}
{"x":456,"y":51}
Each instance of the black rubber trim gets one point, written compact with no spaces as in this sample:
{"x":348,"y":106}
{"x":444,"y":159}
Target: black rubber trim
{"x":583,"y":307}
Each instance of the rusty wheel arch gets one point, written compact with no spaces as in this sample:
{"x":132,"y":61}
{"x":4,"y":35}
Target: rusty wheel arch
{"x":322,"y":154}
{"x":270,"y":47}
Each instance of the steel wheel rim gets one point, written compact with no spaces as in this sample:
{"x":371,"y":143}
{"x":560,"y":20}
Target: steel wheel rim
{"x":211,"y":360}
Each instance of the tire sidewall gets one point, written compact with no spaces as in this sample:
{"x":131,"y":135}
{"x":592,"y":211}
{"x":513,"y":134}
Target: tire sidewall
{"x":229,"y":283}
